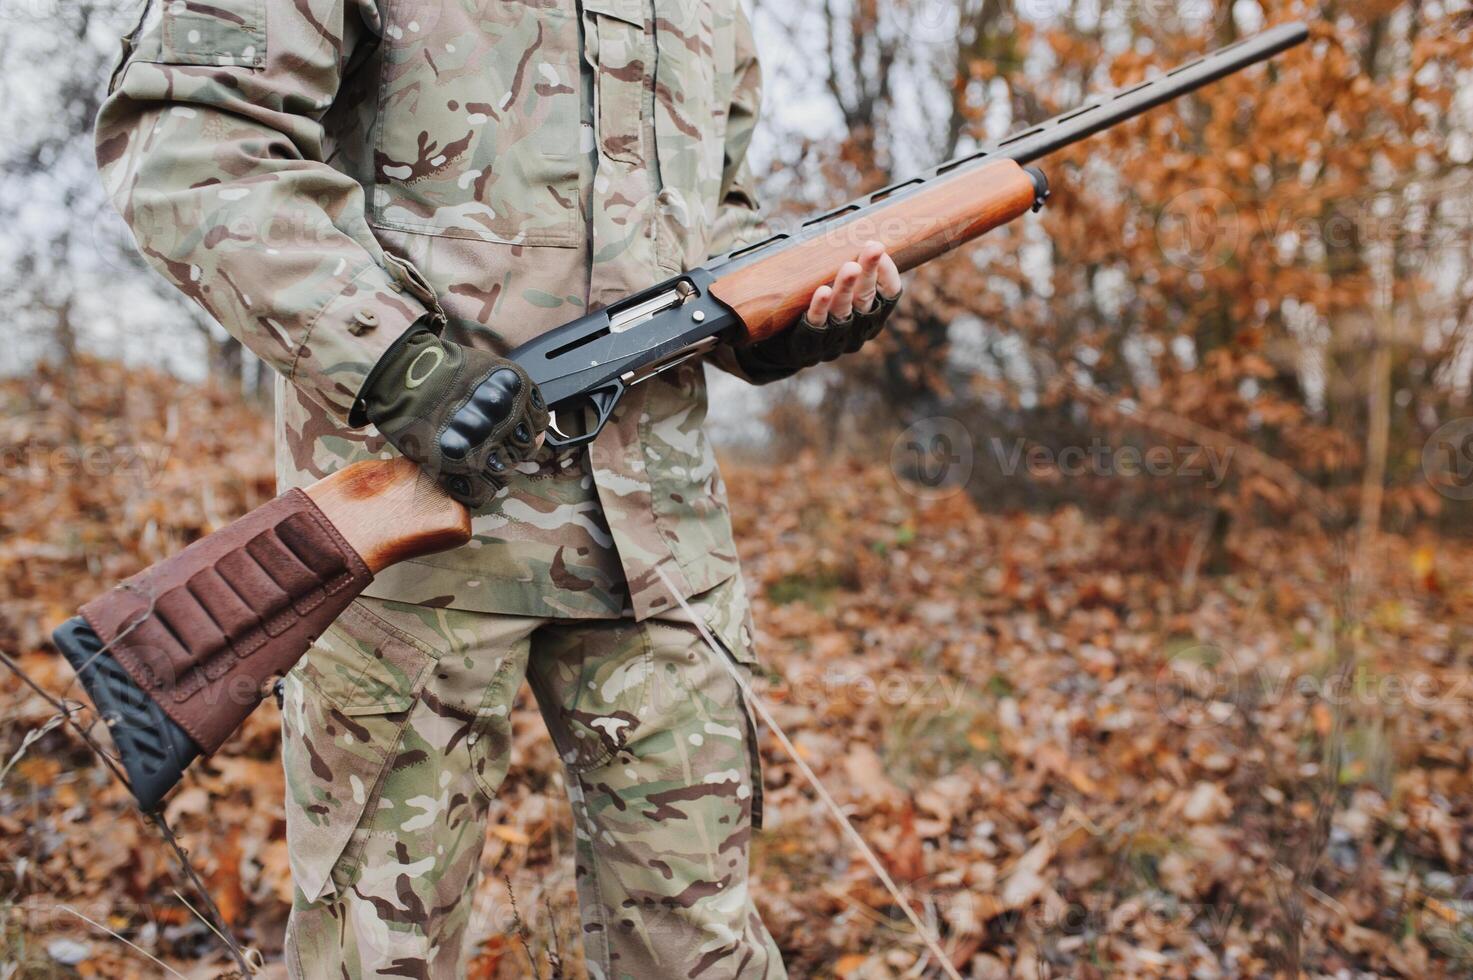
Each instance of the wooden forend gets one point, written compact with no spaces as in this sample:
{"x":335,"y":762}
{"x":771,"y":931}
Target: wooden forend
{"x":771,"y":293}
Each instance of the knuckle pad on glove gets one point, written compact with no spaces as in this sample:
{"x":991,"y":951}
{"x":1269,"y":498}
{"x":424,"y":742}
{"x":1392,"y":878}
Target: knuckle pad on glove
{"x":454,"y":444}
{"x":463,"y":489}
{"x":505,"y":383}
{"x":490,"y":405}
{"x":496,"y":396}
{"x":469,"y":427}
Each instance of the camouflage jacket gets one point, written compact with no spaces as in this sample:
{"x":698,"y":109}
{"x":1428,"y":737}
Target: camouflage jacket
{"x":320,"y":174}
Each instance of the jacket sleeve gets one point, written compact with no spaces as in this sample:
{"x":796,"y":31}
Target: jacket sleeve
{"x":738,"y":216}
{"x":211,"y":145}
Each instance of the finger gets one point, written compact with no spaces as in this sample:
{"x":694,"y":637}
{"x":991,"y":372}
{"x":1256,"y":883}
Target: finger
{"x":502,"y":459}
{"x":818,"y":306}
{"x":869,"y":265}
{"x":889,"y":282}
{"x":844,"y":284}
{"x":488,"y":486}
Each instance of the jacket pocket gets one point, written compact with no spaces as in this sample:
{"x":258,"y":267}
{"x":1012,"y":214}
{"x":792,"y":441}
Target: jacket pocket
{"x":126,"y":45}
{"x":692,"y":91}
{"x":345,"y":706}
{"x":477,"y":129}
{"x":727,"y":613}
{"x":201,"y":32}
{"x":690,"y":119}
{"x":622,"y":51}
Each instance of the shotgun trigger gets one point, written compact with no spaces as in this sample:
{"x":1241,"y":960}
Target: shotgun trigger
{"x":603,"y":401}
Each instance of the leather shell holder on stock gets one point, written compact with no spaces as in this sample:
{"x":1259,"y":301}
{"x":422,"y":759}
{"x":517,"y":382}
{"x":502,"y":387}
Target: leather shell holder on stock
{"x":177,"y":656}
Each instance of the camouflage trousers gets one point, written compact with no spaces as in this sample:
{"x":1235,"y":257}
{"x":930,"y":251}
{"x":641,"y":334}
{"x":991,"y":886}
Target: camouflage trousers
{"x":396,"y":736}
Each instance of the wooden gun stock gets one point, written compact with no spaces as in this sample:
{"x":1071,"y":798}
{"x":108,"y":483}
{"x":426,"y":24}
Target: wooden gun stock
{"x":770,"y":293}
{"x":178,"y":656}
{"x":389,"y":511}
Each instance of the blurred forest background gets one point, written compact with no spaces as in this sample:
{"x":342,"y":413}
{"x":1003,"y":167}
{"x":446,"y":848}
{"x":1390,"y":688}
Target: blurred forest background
{"x":1122,"y":594}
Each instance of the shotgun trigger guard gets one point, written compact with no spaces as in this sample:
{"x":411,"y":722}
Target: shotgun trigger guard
{"x":603,"y":401}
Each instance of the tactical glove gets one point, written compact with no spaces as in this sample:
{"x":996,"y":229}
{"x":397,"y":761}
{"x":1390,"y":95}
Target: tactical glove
{"x":466,"y":416}
{"x":805,"y":345}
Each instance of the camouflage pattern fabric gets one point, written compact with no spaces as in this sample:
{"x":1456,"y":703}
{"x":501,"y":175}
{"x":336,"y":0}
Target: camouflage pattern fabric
{"x":320,"y":174}
{"x":397,"y":734}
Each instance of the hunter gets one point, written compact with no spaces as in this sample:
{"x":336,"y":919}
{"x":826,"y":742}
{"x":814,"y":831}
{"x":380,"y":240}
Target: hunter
{"x":381,"y":200}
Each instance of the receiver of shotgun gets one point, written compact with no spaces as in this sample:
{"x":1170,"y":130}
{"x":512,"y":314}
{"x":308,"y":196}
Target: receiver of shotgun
{"x":176,"y":657}
{"x":761,"y":289}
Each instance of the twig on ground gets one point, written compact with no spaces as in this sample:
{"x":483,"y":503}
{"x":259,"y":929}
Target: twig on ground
{"x":98,"y":925}
{"x":33,"y":736}
{"x":67,"y":710}
{"x":521,"y":928}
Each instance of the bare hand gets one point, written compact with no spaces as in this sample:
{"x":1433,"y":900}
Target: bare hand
{"x":855,"y":286}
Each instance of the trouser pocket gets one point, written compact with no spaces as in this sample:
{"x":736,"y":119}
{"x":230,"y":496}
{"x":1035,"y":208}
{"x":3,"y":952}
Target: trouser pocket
{"x":344,"y":711}
{"x":725,"y":618}
{"x":734,"y":635}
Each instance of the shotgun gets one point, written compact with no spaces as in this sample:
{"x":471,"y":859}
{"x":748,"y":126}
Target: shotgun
{"x":176,"y":657}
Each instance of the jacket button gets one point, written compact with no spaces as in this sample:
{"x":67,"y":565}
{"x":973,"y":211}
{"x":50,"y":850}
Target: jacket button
{"x":363,"y":321}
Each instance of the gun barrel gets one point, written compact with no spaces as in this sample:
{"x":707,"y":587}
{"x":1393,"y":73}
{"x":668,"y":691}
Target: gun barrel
{"x":1033,"y":142}
{"x":1115,"y":107}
